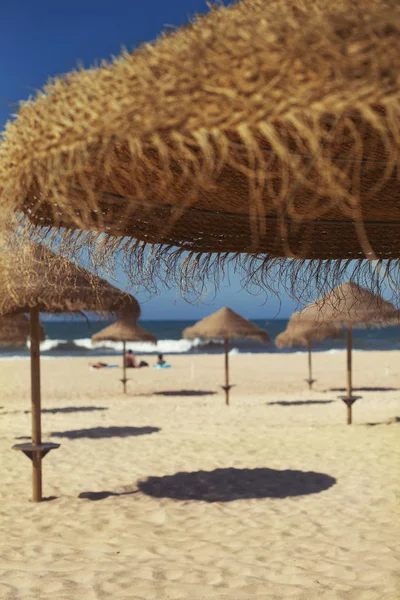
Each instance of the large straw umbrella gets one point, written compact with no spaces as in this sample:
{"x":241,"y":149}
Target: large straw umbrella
{"x":124,"y":330}
{"x":34,"y":280}
{"x":299,"y":333}
{"x":14,"y":331}
{"x":351,"y":306}
{"x":226,"y":324}
{"x":264,"y":128}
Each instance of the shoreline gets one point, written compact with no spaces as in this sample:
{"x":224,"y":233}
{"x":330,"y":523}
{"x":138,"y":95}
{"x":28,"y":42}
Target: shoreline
{"x":233,"y":352}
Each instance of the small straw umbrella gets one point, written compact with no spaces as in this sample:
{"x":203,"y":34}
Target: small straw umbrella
{"x":299,"y":333}
{"x":226,"y":324}
{"x":14,"y":331}
{"x":351,"y":306}
{"x":124,"y":330}
{"x":262,"y":128}
{"x":34,"y":280}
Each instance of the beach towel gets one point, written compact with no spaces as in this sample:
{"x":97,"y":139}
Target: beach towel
{"x":164,"y":366}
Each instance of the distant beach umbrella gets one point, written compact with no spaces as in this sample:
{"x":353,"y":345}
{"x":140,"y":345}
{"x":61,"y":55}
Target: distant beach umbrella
{"x":226,"y":324}
{"x":351,"y":306}
{"x":124,"y":330}
{"x":299,"y":333}
{"x":15,"y":331}
{"x":34,"y":280}
{"x":265,"y":128}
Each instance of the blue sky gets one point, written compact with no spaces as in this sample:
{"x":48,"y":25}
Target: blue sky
{"x":43,"y":38}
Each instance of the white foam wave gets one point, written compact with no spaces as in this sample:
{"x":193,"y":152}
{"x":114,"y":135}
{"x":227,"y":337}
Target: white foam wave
{"x":234,"y":351}
{"x":163,"y":346}
{"x":27,"y":357}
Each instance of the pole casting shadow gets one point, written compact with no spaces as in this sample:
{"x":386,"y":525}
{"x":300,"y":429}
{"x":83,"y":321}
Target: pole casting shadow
{"x":226,"y":485}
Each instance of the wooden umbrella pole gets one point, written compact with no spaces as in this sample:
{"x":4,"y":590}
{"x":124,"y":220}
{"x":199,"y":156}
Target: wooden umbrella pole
{"x":35,"y":398}
{"x":124,"y":365}
{"x":310,"y":379}
{"x":226,"y":345}
{"x":349,"y":373}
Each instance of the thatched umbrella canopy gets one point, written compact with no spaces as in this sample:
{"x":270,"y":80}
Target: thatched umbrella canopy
{"x":300,"y":333}
{"x":14,"y":331}
{"x":33,"y":279}
{"x":124,"y":330}
{"x":264,"y":128}
{"x":226,"y":324}
{"x":351,"y":306}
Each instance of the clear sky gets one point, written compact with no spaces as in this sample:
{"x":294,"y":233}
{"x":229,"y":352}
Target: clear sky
{"x":43,"y":38}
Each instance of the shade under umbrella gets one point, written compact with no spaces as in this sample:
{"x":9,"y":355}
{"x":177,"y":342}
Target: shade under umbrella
{"x":226,"y":324}
{"x":300,"y":333}
{"x":351,"y":306}
{"x":263,"y":128}
{"x":15,"y":331}
{"x":124,"y":330}
{"x":33,"y":279}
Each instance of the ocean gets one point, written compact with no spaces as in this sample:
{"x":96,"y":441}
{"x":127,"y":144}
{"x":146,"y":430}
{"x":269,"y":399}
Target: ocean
{"x":72,"y":337}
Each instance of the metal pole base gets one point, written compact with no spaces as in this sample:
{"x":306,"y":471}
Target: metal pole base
{"x":349,"y":401}
{"x":226,"y":389}
{"x":124,"y":384}
{"x":36,"y":453}
{"x":310,"y":382}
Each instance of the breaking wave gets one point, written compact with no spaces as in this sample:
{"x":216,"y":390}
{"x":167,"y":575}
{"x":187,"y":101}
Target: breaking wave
{"x":86,"y":345}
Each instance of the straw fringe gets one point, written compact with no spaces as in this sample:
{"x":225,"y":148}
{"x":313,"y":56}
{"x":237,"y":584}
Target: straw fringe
{"x":152,"y":269}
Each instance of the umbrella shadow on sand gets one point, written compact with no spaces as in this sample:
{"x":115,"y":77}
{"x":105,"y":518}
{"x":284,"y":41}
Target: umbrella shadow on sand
{"x":186,"y":393}
{"x":366,"y":389}
{"x":69,"y":409}
{"x":105,"y":432}
{"x":299,"y":402}
{"x":226,"y":485}
{"x":388,"y":422}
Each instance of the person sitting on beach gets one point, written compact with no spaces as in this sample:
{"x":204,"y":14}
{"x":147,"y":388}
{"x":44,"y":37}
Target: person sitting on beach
{"x":161,"y":363}
{"x":130,"y":360}
{"x":160,"y":360}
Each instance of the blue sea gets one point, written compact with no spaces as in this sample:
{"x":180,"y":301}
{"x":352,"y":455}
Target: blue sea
{"x":72,"y":337}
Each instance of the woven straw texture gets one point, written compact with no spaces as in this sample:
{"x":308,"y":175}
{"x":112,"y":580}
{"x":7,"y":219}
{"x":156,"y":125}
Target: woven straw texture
{"x":14,"y":331}
{"x":31,"y":276}
{"x":302,"y":333}
{"x":268,"y":127}
{"x":124,"y":330}
{"x":351,"y":304}
{"x":225,"y":324}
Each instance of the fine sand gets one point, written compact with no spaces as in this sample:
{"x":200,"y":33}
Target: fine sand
{"x":167,"y":493}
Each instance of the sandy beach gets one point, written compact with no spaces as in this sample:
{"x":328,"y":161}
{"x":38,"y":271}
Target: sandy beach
{"x":167,"y":493}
